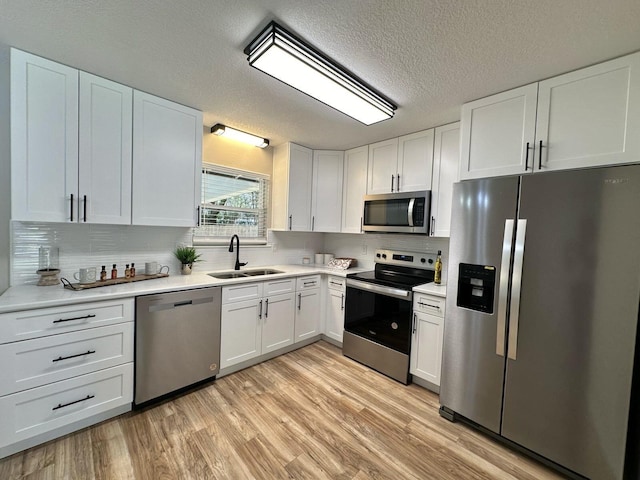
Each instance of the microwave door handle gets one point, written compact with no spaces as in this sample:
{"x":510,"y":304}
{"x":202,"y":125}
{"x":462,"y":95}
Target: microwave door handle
{"x":410,"y":211}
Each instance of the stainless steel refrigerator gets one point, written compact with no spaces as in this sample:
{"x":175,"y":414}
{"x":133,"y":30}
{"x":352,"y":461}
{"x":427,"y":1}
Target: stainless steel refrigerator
{"x":542,"y":310}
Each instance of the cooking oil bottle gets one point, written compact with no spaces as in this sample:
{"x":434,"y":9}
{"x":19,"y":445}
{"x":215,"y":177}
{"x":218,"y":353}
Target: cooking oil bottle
{"x":437,"y":277}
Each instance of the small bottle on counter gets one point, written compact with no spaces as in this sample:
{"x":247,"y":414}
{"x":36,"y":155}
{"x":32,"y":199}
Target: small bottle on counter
{"x":103,"y":273}
{"x":132,"y":270}
{"x":114,"y":272}
{"x":127,"y":272}
{"x":437,"y":277}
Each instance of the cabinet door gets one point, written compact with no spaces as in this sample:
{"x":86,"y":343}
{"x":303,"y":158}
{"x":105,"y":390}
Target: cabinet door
{"x":300,"y":185}
{"x":495,"y":132}
{"x":326,"y":195}
{"x":335,"y":316}
{"x":426,"y":349}
{"x":277,"y":322}
{"x":354,"y":187}
{"x":44,"y":139}
{"x":104,"y":151}
{"x":241,"y":332}
{"x":590,"y":117}
{"x":167,"y":162}
{"x":415,"y":161}
{"x":445,"y":173}
{"x":383,"y":166}
{"x":307,"y":314}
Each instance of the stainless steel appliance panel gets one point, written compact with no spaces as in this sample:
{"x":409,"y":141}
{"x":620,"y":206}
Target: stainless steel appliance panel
{"x":177,"y":341}
{"x":406,"y":212}
{"x":568,"y":382}
{"x":472,"y":371}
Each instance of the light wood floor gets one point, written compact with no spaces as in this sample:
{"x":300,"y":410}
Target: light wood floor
{"x":310,"y":414}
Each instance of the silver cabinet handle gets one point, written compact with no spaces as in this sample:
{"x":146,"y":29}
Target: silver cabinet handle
{"x":504,"y":286}
{"x":392,"y":179}
{"x":414,"y":323}
{"x":433,"y":225}
{"x":342,"y":302}
{"x":516,"y":287}
{"x":398,"y":182}
{"x":266,"y":308}
{"x":429,"y":305}
{"x":290,"y":217}
{"x":260,"y":311}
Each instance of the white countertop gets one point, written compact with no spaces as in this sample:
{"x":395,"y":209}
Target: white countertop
{"x":432,"y":289}
{"x":26,"y":297}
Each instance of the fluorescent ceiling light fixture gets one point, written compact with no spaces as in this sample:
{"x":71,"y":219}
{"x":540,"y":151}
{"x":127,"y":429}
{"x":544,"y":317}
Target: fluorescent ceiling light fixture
{"x":283,"y":56}
{"x":223,"y":130}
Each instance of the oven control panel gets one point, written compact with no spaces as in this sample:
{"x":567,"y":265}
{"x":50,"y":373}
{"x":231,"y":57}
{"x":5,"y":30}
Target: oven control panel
{"x":423,"y":260}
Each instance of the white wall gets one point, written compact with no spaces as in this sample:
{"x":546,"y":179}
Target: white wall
{"x":5,"y":169}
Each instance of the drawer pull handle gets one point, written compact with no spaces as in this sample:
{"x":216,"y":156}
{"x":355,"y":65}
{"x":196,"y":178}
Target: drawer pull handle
{"x":88,"y":352}
{"x":429,"y":305}
{"x":60,"y":405}
{"x":74,"y":318}
{"x":310,"y":283}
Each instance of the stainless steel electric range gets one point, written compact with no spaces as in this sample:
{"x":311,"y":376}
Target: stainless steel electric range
{"x":378,"y":311}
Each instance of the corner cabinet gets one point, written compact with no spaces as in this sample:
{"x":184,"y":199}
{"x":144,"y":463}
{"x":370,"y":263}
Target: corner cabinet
{"x":585,"y":118}
{"x":446,"y":157}
{"x":167,"y":162}
{"x":354,"y":188}
{"x":292,"y":185}
{"x":326,"y":192}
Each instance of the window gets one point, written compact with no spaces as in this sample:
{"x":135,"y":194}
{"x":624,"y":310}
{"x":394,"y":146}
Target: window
{"x":232,"y":202}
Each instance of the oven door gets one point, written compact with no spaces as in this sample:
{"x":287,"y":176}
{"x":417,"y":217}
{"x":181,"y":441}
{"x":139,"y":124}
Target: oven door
{"x":380,"y":314}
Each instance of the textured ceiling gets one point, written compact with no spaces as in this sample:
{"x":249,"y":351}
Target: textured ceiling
{"x":427,"y":56}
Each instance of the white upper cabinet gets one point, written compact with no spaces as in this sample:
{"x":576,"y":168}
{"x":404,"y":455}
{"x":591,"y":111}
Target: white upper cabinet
{"x":44,"y":139}
{"x":495,"y":133}
{"x":354,"y":187}
{"x":383,"y":165}
{"x":590,"y":117}
{"x":292,"y":184}
{"x":326,"y":194}
{"x":415,"y":161}
{"x":167,"y":162}
{"x":446,"y":158}
{"x":401,"y":164}
{"x":586,"y":118}
{"x":104,"y":182}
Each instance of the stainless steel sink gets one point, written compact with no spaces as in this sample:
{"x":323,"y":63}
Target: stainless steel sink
{"x":244,"y":273}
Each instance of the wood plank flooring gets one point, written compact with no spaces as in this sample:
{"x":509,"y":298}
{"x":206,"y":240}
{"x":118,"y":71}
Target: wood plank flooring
{"x":310,"y":414}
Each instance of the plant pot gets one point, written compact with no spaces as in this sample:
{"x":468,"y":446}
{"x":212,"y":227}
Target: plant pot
{"x":186,"y":268}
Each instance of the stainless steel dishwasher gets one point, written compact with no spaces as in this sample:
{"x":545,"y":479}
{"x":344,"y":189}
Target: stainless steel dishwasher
{"x":177,"y":341}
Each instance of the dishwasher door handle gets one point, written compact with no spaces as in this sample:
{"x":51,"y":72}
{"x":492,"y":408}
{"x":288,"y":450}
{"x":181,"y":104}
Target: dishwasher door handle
{"x":182,"y":304}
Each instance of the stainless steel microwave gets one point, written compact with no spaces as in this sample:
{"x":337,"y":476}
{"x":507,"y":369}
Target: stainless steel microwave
{"x":406,"y":212}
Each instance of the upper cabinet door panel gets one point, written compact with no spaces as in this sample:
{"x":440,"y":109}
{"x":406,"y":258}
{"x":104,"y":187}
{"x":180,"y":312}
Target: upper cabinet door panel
{"x":415,"y":161}
{"x":354,"y":187}
{"x":383,"y":165}
{"x":326,"y":198}
{"x":495,"y":132}
{"x":300,"y":185}
{"x":105,"y":151}
{"x":590,"y":117}
{"x":445,"y":174}
{"x":44,"y":138}
{"x":167,"y":162}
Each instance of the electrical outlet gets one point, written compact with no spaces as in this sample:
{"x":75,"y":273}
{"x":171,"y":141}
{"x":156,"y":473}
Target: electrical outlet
{"x":364,"y":248}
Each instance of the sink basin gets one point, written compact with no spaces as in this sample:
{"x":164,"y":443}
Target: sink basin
{"x":244,"y":273}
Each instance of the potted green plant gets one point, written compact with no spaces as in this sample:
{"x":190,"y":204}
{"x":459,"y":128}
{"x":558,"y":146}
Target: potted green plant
{"x":187,"y":256}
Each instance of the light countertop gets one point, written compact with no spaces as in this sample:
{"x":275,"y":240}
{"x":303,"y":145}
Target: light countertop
{"x":432,"y":289}
{"x":26,"y":297}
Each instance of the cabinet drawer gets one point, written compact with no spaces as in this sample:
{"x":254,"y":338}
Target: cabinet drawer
{"x":48,"y":321}
{"x":242,"y":292}
{"x":430,"y":304}
{"x":336,"y":283}
{"x":40,"y":361}
{"x":39,"y":410}
{"x":305,"y":283}
{"x":277,"y":287}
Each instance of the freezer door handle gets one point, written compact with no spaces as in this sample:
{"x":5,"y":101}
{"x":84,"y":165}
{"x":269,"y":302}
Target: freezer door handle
{"x":504,"y":286}
{"x":516,"y":285}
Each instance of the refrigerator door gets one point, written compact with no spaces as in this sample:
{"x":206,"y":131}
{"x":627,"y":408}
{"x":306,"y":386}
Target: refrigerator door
{"x":474,"y":353}
{"x":568,"y":377}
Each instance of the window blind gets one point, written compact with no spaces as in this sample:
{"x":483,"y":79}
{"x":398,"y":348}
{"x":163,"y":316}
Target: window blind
{"x":232,"y":202}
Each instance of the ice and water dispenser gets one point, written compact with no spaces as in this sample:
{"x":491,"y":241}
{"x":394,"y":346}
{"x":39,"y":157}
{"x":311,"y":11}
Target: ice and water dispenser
{"x":476,"y":287}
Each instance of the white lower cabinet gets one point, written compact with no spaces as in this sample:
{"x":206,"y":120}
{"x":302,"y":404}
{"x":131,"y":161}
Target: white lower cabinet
{"x":334,"y":321}
{"x":308,"y":310}
{"x":426,"y":347}
{"x":63,"y":366}
{"x":257,"y":318}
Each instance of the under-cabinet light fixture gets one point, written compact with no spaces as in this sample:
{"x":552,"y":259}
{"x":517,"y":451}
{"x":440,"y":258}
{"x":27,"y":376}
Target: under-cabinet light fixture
{"x":280,"y":54}
{"x":223,"y":130}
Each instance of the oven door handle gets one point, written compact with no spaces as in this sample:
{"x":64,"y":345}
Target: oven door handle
{"x":388,"y":291}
